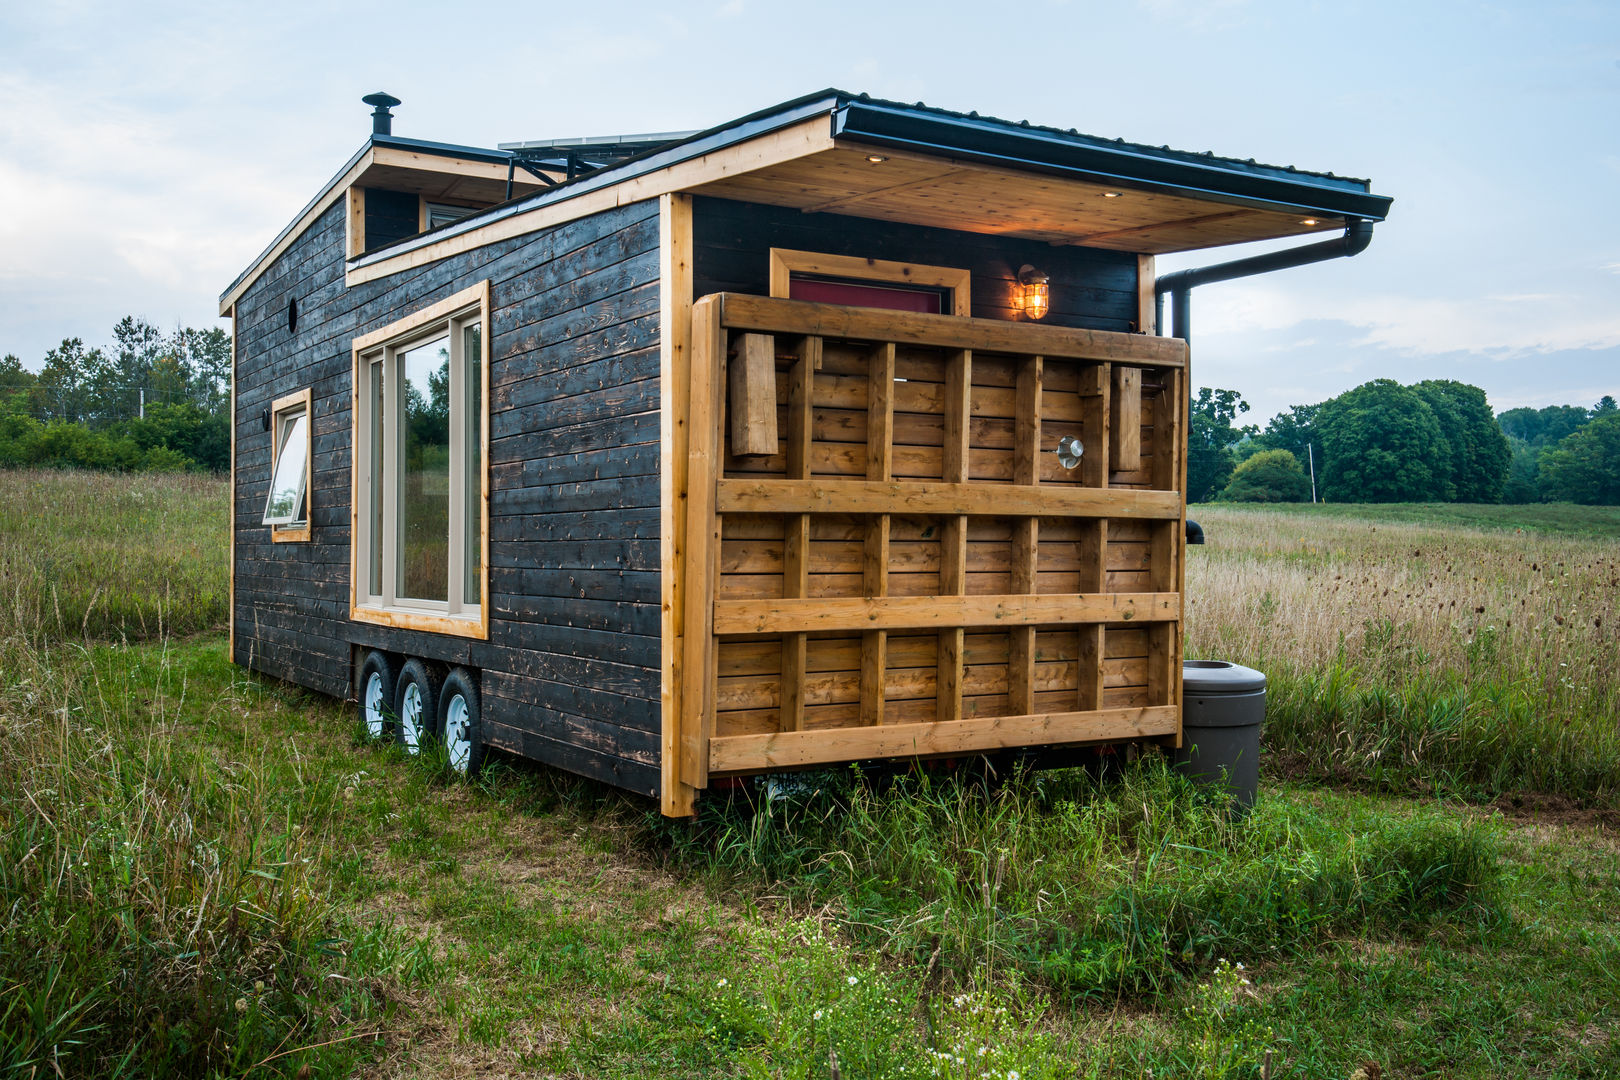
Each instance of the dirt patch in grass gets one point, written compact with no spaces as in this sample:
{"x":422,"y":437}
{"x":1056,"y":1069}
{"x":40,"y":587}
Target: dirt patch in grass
{"x":1548,"y":809}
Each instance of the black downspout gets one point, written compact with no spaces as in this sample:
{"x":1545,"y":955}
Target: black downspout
{"x":1357,"y":235}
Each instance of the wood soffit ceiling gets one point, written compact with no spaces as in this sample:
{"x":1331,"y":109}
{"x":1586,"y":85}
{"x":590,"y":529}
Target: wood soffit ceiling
{"x":984,"y":199}
{"x":448,"y":186}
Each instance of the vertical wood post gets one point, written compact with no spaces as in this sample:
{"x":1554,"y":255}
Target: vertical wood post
{"x":678,"y":796}
{"x":796,"y":527}
{"x":1026,"y":531}
{"x":875,"y":558}
{"x":706,"y":409}
{"x":1096,"y":384}
{"x":957,"y":409}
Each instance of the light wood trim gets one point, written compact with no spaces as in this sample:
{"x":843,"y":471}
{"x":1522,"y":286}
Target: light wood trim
{"x":436,"y":312}
{"x":926,"y":497}
{"x":1125,"y":428}
{"x":785,"y":262}
{"x":354,"y":229}
{"x":1147,"y":303}
{"x":677,"y":796}
{"x":704,"y":409}
{"x":808,"y":136}
{"x":401,"y":158}
{"x":305,"y":220}
{"x":781,"y":750}
{"x":752,"y":375}
{"x":230,"y":615}
{"x":464,"y":301}
{"x":939,"y":612}
{"x":429,"y":621}
{"x":295,"y":534}
{"x":773,"y":315}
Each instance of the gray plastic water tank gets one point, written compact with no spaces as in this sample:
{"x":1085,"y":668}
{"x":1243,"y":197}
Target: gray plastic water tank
{"x":1224,"y":706}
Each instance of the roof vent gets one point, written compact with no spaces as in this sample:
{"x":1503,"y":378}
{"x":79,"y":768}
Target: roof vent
{"x":382,"y":121}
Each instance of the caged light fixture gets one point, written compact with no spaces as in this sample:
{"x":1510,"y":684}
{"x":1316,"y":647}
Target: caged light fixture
{"x":1034,"y":292}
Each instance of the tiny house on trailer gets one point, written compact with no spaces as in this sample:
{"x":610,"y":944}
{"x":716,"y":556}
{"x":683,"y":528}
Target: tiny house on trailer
{"x":843,"y":431}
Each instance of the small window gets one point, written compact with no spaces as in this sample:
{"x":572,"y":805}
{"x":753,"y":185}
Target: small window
{"x":443,"y":214}
{"x":286,"y":506}
{"x":421,"y":425}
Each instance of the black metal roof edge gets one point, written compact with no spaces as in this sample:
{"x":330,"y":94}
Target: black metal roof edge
{"x":1058,"y":152}
{"x":704,"y":142}
{"x":472,"y":153}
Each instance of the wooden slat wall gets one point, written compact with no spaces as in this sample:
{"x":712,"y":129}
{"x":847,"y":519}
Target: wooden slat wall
{"x":822,"y":592}
{"x":571,"y":668}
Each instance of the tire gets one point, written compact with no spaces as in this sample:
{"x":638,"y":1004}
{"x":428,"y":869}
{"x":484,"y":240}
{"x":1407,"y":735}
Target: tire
{"x":377,"y":679}
{"x":416,"y":705}
{"x":461,"y":722}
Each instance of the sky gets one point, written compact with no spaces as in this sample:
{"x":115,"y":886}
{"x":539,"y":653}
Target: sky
{"x":148,"y":152}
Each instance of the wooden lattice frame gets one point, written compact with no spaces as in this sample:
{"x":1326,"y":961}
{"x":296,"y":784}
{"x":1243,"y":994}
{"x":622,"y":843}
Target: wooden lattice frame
{"x":1109,"y":375}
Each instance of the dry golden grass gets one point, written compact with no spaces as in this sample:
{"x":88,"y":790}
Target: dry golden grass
{"x":1517,"y":625}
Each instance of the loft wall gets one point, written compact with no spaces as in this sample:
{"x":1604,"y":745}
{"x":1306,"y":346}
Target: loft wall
{"x":1091,"y":288}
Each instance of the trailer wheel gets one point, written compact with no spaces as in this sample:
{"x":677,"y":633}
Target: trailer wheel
{"x":377,"y":678}
{"x":416,"y":703}
{"x":461,"y":722}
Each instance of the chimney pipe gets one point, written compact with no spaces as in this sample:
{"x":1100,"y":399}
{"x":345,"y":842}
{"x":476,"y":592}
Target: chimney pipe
{"x":382,"y":121}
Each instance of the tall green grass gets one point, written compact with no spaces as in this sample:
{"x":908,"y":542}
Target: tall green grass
{"x":97,"y":556}
{"x":1097,"y":887}
{"x":162,"y":907}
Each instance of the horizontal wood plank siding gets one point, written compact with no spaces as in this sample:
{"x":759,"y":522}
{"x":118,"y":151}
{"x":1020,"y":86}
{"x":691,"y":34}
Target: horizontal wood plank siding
{"x":571,"y":668}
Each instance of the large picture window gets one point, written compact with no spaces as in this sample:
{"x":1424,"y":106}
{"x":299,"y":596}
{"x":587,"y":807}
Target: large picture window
{"x":421,"y":431}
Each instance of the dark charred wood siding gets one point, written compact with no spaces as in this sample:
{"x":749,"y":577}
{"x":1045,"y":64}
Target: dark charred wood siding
{"x":1091,"y":288}
{"x":570,"y":673}
{"x":391,"y":216}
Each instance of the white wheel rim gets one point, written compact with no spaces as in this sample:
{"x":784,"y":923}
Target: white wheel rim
{"x":410,"y":718}
{"x":374,"y":705}
{"x":458,"y":733}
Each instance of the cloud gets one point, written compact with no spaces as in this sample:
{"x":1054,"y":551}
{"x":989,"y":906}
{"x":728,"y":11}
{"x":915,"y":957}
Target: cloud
{"x":1499,"y":327}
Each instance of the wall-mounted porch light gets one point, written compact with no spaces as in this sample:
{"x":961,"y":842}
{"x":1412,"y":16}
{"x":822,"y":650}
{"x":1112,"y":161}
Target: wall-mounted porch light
{"x":1034,"y":292}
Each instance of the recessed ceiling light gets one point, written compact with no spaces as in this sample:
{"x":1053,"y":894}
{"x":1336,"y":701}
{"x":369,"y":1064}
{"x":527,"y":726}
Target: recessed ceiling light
{"x":876,"y":159}
{"x":1308,"y":221}
{"x":1110,"y":194}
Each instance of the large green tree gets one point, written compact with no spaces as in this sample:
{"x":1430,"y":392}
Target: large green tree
{"x":1585,"y":465}
{"x":1474,"y":463}
{"x":1269,"y":476}
{"x":1380,"y":443}
{"x":1293,"y":430}
{"x":1210,"y":459}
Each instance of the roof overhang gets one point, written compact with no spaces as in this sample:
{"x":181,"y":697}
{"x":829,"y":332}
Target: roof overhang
{"x":436,"y":171}
{"x":836,"y":153}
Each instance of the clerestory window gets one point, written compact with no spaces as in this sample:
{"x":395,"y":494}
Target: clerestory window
{"x":420,"y":441}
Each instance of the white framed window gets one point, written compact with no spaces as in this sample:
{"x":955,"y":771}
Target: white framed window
{"x":436,"y":214}
{"x":286,"y":504}
{"x":419,"y":543}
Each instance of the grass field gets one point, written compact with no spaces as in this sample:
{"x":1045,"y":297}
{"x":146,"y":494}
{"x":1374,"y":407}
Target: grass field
{"x":204,"y":873}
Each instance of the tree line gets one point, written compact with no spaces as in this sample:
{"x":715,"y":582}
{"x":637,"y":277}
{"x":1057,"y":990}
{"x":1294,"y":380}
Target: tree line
{"x":1432,"y":441}
{"x":147,"y":400}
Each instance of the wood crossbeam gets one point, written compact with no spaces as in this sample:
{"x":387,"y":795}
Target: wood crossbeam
{"x":784,"y":750}
{"x":862,"y":613}
{"x":925,"y":497}
{"x":768,"y":314}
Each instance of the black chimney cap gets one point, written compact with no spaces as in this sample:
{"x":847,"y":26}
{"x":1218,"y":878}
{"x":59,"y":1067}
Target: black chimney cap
{"x":382,"y":121}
